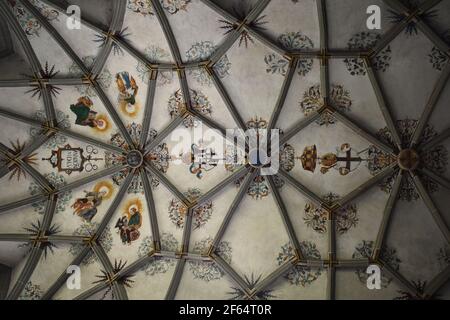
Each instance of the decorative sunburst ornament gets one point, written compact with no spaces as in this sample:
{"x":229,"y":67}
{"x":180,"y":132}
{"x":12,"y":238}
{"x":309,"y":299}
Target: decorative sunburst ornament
{"x":46,"y":74}
{"x":106,"y":277}
{"x":16,"y":170}
{"x":241,"y":13}
{"x":35,"y":230}
{"x":411,"y":28}
{"x":102,"y":39}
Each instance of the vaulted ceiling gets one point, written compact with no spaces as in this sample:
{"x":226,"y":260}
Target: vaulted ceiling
{"x":92,"y":173}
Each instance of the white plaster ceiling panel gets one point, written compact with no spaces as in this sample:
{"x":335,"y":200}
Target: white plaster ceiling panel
{"x":50,"y":54}
{"x":217,"y":286}
{"x":168,"y":98}
{"x":335,"y":138}
{"x":50,"y":266}
{"x":413,"y":224}
{"x":440,"y":21}
{"x":171,"y":217}
{"x":441,"y":200}
{"x":282,"y":18}
{"x":209,"y":217}
{"x":80,"y":40}
{"x":152,"y":281}
{"x":358,"y":221}
{"x":20,"y":101}
{"x":408,"y":83}
{"x":16,"y":220}
{"x":439,"y":167}
{"x":143,"y":32}
{"x":264,"y":245}
{"x":13,"y":190}
{"x":352,"y":285}
{"x":340,"y":34}
{"x":206,"y":100}
{"x":90,"y":271}
{"x":105,"y":294}
{"x":16,"y":64}
{"x":444,"y":293}
{"x":437,"y":121}
{"x":12,"y":253}
{"x":305,"y":80}
{"x":16,"y":271}
{"x":249,"y":73}
{"x":299,"y":283}
{"x":310,"y":229}
{"x":196,"y":28}
{"x":353,"y":95}
{"x":17,"y":131}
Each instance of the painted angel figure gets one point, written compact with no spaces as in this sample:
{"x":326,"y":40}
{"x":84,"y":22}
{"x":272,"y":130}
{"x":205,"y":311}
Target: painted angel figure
{"x":128,"y":90}
{"x":86,"y":207}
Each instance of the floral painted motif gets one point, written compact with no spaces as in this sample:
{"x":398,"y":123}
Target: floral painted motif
{"x":31,"y":292}
{"x":389,"y":255}
{"x":104,"y":79}
{"x":437,"y":57}
{"x":378,"y":160}
{"x":316,"y":217}
{"x":287,"y":157}
{"x":174,"y":6}
{"x":366,"y":41}
{"x":201,"y":215}
{"x":299,"y":275}
{"x":202,"y":51}
{"x":145,"y":7}
{"x":159,"y":264}
{"x":160,"y":157}
{"x":56,"y":181}
{"x":209,"y":270}
{"x":199,"y":102}
{"x":312,"y":101}
{"x":27,"y":21}
{"x":88,"y":229}
{"x":290,"y":41}
{"x":155,"y":54}
{"x":57,"y":139}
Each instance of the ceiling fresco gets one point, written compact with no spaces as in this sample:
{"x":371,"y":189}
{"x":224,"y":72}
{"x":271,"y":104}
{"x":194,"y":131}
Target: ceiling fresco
{"x":91,"y":175}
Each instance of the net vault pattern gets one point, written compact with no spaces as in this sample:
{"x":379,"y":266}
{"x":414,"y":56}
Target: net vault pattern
{"x":116,"y":277}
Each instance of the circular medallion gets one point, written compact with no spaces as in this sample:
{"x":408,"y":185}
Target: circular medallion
{"x":408,"y":159}
{"x":135,"y":159}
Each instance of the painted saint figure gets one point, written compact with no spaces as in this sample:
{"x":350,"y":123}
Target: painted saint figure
{"x":128,"y":90}
{"x":86,"y":207}
{"x":85,"y":115}
{"x":128,"y":226}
